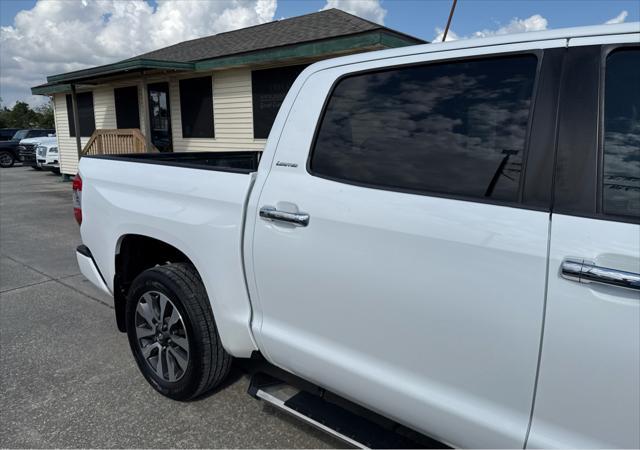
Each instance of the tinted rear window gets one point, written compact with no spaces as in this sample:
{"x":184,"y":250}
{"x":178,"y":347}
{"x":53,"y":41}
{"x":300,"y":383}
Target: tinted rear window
{"x":453,"y":128}
{"x":621,"y":171}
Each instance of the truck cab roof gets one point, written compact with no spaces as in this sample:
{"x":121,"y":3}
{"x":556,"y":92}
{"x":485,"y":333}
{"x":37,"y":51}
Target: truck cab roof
{"x":505,"y":39}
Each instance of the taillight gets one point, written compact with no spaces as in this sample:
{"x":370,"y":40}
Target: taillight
{"x":77,"y":198}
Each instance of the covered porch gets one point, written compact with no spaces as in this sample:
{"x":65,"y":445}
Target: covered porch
{"x":115,"y":109}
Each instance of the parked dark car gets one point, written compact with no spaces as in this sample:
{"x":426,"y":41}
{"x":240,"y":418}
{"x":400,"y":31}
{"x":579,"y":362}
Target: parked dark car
{"x":27,"y":154}
{"x":6,"y":134}
{"x":9,"y":152}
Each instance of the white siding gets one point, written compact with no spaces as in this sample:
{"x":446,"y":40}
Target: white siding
{"x":66,"y":144}
{"x":104,"y":107}
{"x":141,"y":111}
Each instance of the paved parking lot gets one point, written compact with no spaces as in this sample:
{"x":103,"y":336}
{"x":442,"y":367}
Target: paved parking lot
{"x":66,"y":376}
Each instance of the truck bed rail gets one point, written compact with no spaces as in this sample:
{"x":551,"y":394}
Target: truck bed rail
{"x":238,"y":162}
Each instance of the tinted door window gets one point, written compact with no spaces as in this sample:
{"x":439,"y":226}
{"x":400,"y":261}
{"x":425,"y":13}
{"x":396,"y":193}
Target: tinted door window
{"x":621,"y":171}
{"x":160,"y":117}
{"x":454,"y":128}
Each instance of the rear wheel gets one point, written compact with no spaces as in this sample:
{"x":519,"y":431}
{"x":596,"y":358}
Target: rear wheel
{"x":6,"y":159}
{"x":172,"y":333}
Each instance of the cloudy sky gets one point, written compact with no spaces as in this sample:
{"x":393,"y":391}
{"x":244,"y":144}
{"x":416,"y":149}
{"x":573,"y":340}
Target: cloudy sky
{"x":55,"y":36}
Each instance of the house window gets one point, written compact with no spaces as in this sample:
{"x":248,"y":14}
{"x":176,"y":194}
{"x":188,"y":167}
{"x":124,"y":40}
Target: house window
{"x":269,"y":88}
{"x":196,"y":107}
{"x":127,"y":111}
{"x":85,"y":114}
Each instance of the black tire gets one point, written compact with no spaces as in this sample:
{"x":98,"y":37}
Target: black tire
{"x":36,"y":168}
{"x":208,"y":362}
{"x":6,"y":159}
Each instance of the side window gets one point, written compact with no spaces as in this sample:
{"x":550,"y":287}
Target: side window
{"x":456,"y":128}
{"x":127,"y":111}
{"x":196,"y":107}
{"x":621,"y":168}
{"x":85,"y":115}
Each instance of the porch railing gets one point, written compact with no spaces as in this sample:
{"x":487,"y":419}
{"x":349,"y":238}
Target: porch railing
{"x":116,"y":142}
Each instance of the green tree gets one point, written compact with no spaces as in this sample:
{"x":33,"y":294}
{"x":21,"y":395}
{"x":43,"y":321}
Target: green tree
{"x":4,"y":115}
{"x":23,"y":116}
{"x":45,"y":115}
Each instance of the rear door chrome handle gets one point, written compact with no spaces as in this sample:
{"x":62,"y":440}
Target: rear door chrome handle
{"x":584,"y":271}
{"x":296,"y":219}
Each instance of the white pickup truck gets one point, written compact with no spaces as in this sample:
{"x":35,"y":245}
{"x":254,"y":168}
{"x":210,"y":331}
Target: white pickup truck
{"x":444,"y":238}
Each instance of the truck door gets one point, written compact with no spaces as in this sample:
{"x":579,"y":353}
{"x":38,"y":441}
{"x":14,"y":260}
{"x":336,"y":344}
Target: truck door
{"x":589,"y":386}
{"x":400,"y":254}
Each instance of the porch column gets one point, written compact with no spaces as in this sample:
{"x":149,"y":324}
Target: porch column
{"x":76,"y":119}
{"x":146,"y":112}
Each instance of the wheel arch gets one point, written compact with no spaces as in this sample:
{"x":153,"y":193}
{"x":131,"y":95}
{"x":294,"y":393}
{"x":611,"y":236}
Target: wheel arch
{"x":220,"y":271}
{"x":135,"y":253}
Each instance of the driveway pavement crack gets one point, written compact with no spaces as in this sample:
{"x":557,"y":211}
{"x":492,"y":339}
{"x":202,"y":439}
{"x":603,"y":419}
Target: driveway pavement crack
{"x":49,"y":278}
{"x":83,"y":293}
{"x":26,"y":286}
{"x":30,"y":267}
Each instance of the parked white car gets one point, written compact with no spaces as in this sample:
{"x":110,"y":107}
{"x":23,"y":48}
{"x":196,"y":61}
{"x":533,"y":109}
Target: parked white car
{"x":444,"y":236}
{"x":27,"y":149}
{"x":47,"y":155}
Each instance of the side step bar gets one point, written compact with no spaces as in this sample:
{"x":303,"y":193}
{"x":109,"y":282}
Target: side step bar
{"x":271,"y":395}
{"x":331,"y":414}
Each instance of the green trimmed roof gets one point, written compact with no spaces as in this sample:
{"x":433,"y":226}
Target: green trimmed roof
{"x":326,"y":32}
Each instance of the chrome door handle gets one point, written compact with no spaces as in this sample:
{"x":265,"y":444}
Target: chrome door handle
{"x":296,"y":219}
{"x":584,"y":271}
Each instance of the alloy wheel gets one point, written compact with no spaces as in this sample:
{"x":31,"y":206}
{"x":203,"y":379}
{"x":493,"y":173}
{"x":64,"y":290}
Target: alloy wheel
{"x":162,"y":336}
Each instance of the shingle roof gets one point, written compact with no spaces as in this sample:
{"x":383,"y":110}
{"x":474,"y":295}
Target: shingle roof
{"x":317,"y":34}
{"x":310,"y":27}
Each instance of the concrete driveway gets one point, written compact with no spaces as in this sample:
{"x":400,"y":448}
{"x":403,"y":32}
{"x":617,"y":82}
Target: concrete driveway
{"x":66,"y":376}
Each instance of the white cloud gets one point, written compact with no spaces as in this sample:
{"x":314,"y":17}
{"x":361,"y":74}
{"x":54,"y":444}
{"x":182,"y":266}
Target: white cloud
{"x":59,"y":36}
{"x":367,"y":9}
{"x":451,"y":35}
{"x":532,"y":23}
{"x":619,"y":18}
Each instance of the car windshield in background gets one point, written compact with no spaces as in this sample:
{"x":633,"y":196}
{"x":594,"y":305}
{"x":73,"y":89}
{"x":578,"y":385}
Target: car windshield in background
{"x":21,"y":134}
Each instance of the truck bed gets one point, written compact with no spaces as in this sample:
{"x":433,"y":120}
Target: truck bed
{"x":194,"y":202}
{"x":237,"y":162}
